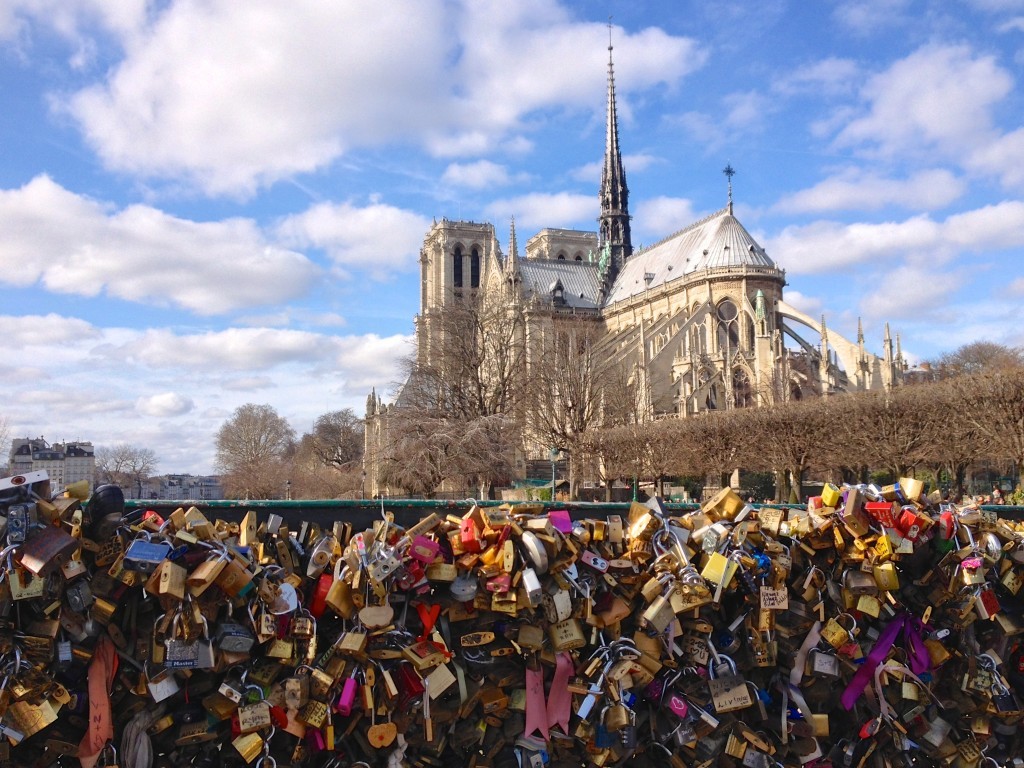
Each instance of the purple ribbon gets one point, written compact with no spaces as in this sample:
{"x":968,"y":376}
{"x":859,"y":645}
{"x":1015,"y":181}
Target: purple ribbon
{"x":917,"y":653}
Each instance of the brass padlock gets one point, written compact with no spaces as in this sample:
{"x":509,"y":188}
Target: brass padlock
{"x":835,"y":633}
{"x":248,"y":745}
{"x":616,"y":717}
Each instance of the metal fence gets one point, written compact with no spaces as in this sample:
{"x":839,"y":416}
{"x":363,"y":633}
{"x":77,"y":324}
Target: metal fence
{"x":362,"y":512}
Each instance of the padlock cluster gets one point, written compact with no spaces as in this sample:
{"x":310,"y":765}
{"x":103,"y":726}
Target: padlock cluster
{"x":869,"y":628}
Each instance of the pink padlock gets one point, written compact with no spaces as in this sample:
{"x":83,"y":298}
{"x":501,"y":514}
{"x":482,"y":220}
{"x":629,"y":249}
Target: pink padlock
{"x":677,"y":705}
{"x":347,"y":697}
{"x":314,"y":740}
{"x":561,"y":520}
{"x":423,"y":549}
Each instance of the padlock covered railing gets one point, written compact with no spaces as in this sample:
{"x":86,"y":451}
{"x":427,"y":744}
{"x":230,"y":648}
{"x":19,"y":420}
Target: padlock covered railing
{"x":869,"y":621}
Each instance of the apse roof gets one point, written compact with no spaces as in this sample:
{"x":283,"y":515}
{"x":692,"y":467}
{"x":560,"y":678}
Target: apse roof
{"x":716,"y":242}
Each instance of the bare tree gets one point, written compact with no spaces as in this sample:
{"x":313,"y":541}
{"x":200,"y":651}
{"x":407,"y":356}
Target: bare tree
{"x":327,"y":462}
{"x":423,"y":451}
{"x":993,"y":403}
{"x":476,"y":361}
{"x":888,"y":430}
{"x":337,"y":439}
{"x":957,"y":441}
{"x":252,"y":448}
{"x":127,"y":466}
{"x":713,"y":445}
{"x":978,"y":357}
{"x":573,"y":388}
{"x":5,"y":440}
{"x":457,"y":415}
{"x":787,"y":439}
{"x":617,"y":452}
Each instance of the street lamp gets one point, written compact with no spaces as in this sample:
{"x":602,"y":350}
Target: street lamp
{"x":553,"y":454}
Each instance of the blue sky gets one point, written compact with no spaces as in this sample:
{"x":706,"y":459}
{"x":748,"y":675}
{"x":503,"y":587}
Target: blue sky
{"x":205,"y":203}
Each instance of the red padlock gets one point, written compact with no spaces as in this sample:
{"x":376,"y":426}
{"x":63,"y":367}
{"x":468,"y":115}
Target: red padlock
{"x":469,"y":535}
{"x":318,"y":601}
{"x":883,"y":511}
{"x":908,"y":525}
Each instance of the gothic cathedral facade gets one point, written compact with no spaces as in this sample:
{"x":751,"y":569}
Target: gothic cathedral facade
{"x":699,"y":317}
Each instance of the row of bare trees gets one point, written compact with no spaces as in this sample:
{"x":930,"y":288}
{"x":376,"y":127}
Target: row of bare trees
{"x":942,"y":426}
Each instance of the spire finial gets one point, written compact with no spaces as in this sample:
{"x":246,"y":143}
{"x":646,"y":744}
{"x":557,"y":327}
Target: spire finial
{"x":729,"y":173}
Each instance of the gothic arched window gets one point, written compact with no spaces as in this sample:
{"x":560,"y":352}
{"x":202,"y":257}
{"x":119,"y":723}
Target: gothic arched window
{"x":728,"y":326}
{"x":474,"y":269}
{"x":457,"y":267}
{"x":742,"y":392}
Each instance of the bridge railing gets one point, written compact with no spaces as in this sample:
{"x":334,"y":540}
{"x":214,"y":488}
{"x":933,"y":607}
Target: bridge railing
{"x":362,"y":512}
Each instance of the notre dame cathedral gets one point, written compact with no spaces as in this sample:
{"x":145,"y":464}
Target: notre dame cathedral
{"x":699,"y":316}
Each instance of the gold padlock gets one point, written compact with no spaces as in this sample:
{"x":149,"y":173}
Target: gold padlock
{"x":616,"y":717}
{"x":248,"y":745}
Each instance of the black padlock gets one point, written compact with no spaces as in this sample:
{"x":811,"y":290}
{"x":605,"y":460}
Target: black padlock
{"x":79,"y":596}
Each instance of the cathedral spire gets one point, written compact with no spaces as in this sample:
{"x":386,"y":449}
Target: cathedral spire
{"x":614,"y":194}
{"x":513,"y":247}
{"x":512,"y":262}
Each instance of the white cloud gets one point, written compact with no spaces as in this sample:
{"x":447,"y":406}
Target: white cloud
{"x":76,"y":245}
{"x":661,"y":216}
{"x":71,"y":19}
{"x":236,"y":96}
{"x":25,"y":331}
{"x":746,"y":110}
{"x":478,"y":175}
{"x":164,"y":404}
{"x":998,"y":6}
{"x":239,"y":349}
{"x":858,"y":189}
{"x":829,"y":76}
{"x":911,"y":292}
{"x":1003,"y":158}
{"x":248,"y":383}
{"x":1013,"y":25}
{"x":172,"y":392}
{"x":866,"y":17}
{"x":379,"y":237}
{"x":827,"y":245}
{"x":939,"y":98}
{"x":809,"y":305}
{"x":560,"y":209}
